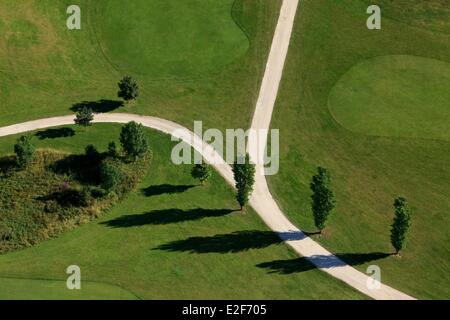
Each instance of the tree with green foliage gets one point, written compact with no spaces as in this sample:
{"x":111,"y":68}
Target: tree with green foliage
{"x":84,"y":117}
{"x":128,"y":89}
{"x":201,"y":171}
{"x":92,"y":154}
{"x":244,"y":177}
{"x":110,"y":175}
{"x":323,"y":201}
{"x":134,"y":140}
{"x":24,"y":150}
{"x":401,"y":224}
{"x":112,"y":149}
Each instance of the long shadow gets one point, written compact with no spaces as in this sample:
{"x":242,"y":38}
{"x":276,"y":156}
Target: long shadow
{"x":99,"y":106}
{"x":161,"y":217}
{"x":303,"y":264}
{"x":165,"y":189}
{"x":55,"y":133}
{"x":224,"y":243}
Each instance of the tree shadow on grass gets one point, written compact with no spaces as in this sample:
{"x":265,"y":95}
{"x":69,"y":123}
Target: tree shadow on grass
{"x":161,"y":217}
{"x":223,"y":243}
{"x":165,"y":189}
{"x":322,"y":261}
{"x":100,"y":106}
{"x":55,"y":133}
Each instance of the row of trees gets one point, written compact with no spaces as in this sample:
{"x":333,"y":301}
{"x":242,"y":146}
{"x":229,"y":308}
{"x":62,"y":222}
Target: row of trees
{"x":323,"y":203}
{"x":323,"y":200}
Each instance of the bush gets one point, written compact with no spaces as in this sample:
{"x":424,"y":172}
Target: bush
{"x":91,"y":153}
{"x":112,"y":149}
{"x":128,"y":89}
{"x":84,"y":117}
{"x":24,"y":150}
{"x":134,"y":140}
{"x":110,"y":175}
{"x":201,"y":171}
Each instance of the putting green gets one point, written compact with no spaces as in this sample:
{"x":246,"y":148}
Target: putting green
{"x":395,"y":95}
{"x":169,"y":37}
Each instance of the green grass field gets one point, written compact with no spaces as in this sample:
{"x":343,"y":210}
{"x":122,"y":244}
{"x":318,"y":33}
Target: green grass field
{"x":170,"y":239}
{"x":158,"y":41}
{"x":212,"y":73}
{"x":45,"y":289}
{"x":400,"y":96}
{"x":400,"y":74}
{"x":372,"y":106}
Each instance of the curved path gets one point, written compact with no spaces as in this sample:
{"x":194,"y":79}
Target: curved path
{"x":261,"y":200}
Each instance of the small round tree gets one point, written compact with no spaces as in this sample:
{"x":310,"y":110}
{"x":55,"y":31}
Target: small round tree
{"x":84,"y":117}
{"x":110,"y":175}
{"x":322,"y":199}
{"x":401,"y":224}
{"x":24,"y":150}
{"x":128,"y":89}
{"x":134,"y":140}
{"x":201,"y":171}
{"x":244,"y":177}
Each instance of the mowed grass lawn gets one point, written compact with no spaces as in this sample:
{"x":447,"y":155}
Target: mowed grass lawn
{"x":169,"y":239}
{"x":378,"y":159}
{"x":395,"y":95}
{"x":193,"y":59}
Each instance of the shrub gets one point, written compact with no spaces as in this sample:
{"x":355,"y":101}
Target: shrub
{"x":84,"y":117}
{"x":128,"y":89}
{"x":112,"y":149}
{"x":110,"y":175}
{"x":201,"y":171}
{"x":24,"y":150}
{"x":91,"y":153}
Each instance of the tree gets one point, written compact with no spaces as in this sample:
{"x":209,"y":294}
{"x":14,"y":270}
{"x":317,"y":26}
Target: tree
{"x":133,"y":139}
{"x":112,"y":149}
{"x":92,"y":154}
{"x":84,"y":117}
{"x":128,"y":89}
{"x":323,"y":201}
{"x":401,"y":224}
{"x":110,"y":175}
{"x":244,"y":177}
{"x":201,"y":171}
{"x":24,"y":150}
